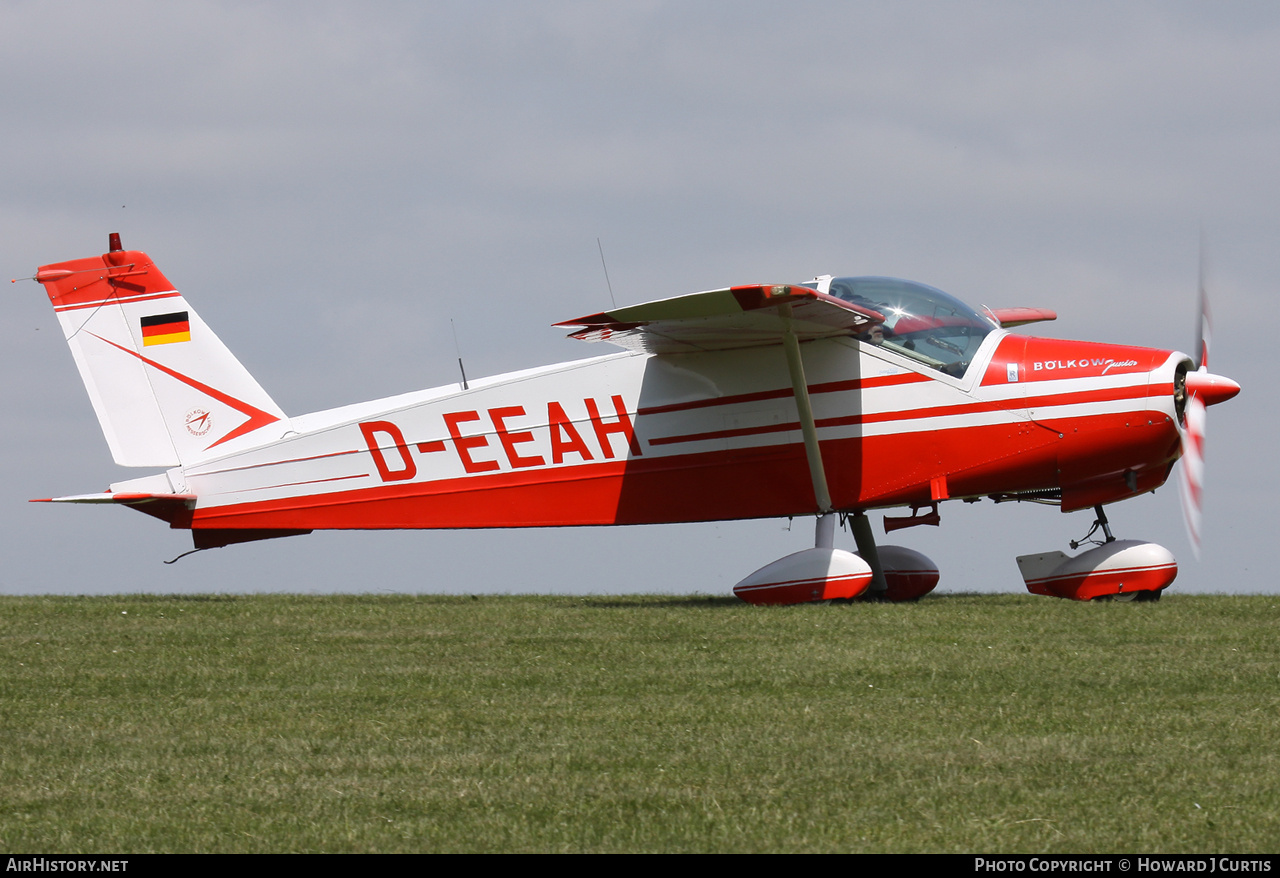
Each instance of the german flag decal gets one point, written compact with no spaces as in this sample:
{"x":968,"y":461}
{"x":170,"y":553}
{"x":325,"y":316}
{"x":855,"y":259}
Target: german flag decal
{"x":165,"y":329}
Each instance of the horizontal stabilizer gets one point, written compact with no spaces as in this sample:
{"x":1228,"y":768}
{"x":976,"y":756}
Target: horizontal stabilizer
{"x":176,"y":509}
{"x":173,"y":508}
{"x":718,"y":320}
{"x":111,"y":497}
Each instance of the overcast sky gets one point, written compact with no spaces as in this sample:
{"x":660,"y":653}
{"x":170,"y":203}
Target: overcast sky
{"x":330,"y":184}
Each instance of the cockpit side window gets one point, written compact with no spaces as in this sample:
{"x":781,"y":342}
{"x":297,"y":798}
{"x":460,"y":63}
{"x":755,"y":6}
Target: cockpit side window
{"x":921,"y":322}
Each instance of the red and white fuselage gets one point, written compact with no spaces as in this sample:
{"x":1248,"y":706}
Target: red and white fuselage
{"x":699,"y":421}
{"x":634,"y":438}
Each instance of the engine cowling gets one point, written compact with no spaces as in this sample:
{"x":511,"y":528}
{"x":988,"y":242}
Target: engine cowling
{"x":1115,"y":569}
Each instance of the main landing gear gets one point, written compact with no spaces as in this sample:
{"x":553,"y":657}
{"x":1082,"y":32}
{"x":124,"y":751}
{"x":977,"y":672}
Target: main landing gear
{"x":824,"y":572}
{"x":885,"y":573}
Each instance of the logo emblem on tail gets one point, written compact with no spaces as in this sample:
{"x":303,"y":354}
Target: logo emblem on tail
{"x":198,"y":422}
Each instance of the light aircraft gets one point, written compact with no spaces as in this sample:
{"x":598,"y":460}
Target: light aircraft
{"x":825,"y":398}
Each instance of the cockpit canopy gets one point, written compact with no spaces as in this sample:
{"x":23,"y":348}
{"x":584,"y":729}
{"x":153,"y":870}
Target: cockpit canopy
{"x":921,"y":322}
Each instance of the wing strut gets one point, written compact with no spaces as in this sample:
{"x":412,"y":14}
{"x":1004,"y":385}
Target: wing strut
{"x":795,"y":365}
{"x":823,"y":572}
{"x":824,"y":531}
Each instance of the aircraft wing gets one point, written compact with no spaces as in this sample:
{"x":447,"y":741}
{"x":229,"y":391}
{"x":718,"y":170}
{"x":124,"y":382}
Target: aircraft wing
{"x":720,"y":320}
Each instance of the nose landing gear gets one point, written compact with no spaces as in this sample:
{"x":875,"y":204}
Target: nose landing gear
{"x":1125,"y":570}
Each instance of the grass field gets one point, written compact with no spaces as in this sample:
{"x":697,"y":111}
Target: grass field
{"x":962,"y":723}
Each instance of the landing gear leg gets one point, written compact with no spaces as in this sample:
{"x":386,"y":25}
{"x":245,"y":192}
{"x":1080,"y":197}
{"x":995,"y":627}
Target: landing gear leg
{"x":1099,"y":522}
{"x":1102,"y":520}
{"x":867,"y":549}
{"x":824,"y":536}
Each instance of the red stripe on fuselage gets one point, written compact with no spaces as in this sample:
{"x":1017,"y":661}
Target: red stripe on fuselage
{"x":309,"y":482}
{"x":771,"y":481}
{"x":1066,"y":397}
{"x":203,"y":471}
{"x":785,"y":393}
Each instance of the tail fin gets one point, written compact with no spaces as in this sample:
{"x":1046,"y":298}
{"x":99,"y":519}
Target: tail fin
{"x":165,"y":389}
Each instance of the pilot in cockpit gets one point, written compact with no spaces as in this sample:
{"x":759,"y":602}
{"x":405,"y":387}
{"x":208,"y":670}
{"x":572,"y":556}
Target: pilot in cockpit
{"x":873,"y":334}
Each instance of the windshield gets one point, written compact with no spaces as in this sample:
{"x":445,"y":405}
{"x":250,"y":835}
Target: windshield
{"x":921,"y":322}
